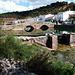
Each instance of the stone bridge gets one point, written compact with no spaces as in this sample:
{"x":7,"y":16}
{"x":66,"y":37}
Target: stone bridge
{"x":22,"y":26}
{"x":38,"y":25}
{"x":51,"y":41}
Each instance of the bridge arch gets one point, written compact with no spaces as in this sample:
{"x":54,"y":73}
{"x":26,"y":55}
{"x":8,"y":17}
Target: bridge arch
{"x":29,"y":28}
{"x":44,"y":27}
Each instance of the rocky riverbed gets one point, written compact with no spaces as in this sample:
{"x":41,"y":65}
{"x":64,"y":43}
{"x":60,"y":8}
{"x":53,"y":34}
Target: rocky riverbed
{"x":11,"y":67}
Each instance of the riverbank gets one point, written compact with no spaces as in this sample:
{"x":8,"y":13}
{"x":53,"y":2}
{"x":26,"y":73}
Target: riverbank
{"x":31,"y":56}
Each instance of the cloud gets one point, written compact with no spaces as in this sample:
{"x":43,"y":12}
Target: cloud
{"x":15,"y":1}
{"x":9,"y":6}
{"x":69,"y":2}
{"x":39,"y":3}
{"x":14,"y":5}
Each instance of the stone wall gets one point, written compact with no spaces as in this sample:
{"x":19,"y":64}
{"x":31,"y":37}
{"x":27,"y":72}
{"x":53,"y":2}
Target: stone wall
{"x":41,"y":40}
{"x":54,"y":42}
{"x":51,"y":41}
{"x":46,"y":41}
{"x":72,"y":39}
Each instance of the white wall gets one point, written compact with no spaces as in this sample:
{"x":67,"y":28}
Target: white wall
{"x":63,"y":16}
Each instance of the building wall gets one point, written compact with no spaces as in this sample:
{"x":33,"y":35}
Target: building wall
{"x":59,"y":17}
{"x":63,"y":16}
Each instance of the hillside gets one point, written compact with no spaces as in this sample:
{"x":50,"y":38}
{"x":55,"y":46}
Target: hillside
{"x":53,"y":8}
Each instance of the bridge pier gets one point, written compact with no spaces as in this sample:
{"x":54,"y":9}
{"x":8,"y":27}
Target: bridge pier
{"x":52,"y":41}
{"x":72,"y":39}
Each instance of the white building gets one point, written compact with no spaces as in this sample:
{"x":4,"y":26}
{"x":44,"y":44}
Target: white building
{"x":63,"y":16}
{"x":39,"y":18}
{"x":49,"y":16}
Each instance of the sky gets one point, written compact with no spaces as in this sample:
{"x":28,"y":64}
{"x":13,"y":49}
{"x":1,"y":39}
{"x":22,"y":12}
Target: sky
{"x":24,"y":5}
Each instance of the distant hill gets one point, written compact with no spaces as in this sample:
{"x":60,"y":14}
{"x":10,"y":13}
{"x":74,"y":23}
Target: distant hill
{"x":53,"y":8}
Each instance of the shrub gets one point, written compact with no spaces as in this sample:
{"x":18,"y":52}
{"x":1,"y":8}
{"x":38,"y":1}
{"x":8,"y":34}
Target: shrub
{"x":12,"y":47}
{"x":62,"y":68}
{"x":43,"y":63}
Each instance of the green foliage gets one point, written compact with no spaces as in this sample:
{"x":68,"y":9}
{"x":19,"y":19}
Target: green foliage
{"x":62,"y":68}
{"x":44,"y":63}
{"x":70,"y":6}
{"x":22,"y":21}
{"x":12,"y":47}
{"x":56,"y":12}
{"x":41,"y":63}
{"x":70,"y":55}
{"x":72,"y":18}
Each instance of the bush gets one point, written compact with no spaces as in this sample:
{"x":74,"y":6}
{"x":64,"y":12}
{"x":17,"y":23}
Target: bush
{"x":62,"y":68}
{"x":43,"y":63}
{"x":12,"y":47}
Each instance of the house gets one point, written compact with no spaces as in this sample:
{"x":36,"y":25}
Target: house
{"x":49,"y":17}
{"x":63,"y":16}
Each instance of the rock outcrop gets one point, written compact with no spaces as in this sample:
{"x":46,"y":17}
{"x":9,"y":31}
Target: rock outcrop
{"x":11,"y":67}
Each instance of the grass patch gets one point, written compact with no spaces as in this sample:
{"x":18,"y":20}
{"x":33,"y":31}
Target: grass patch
{"x":62,"y":46}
